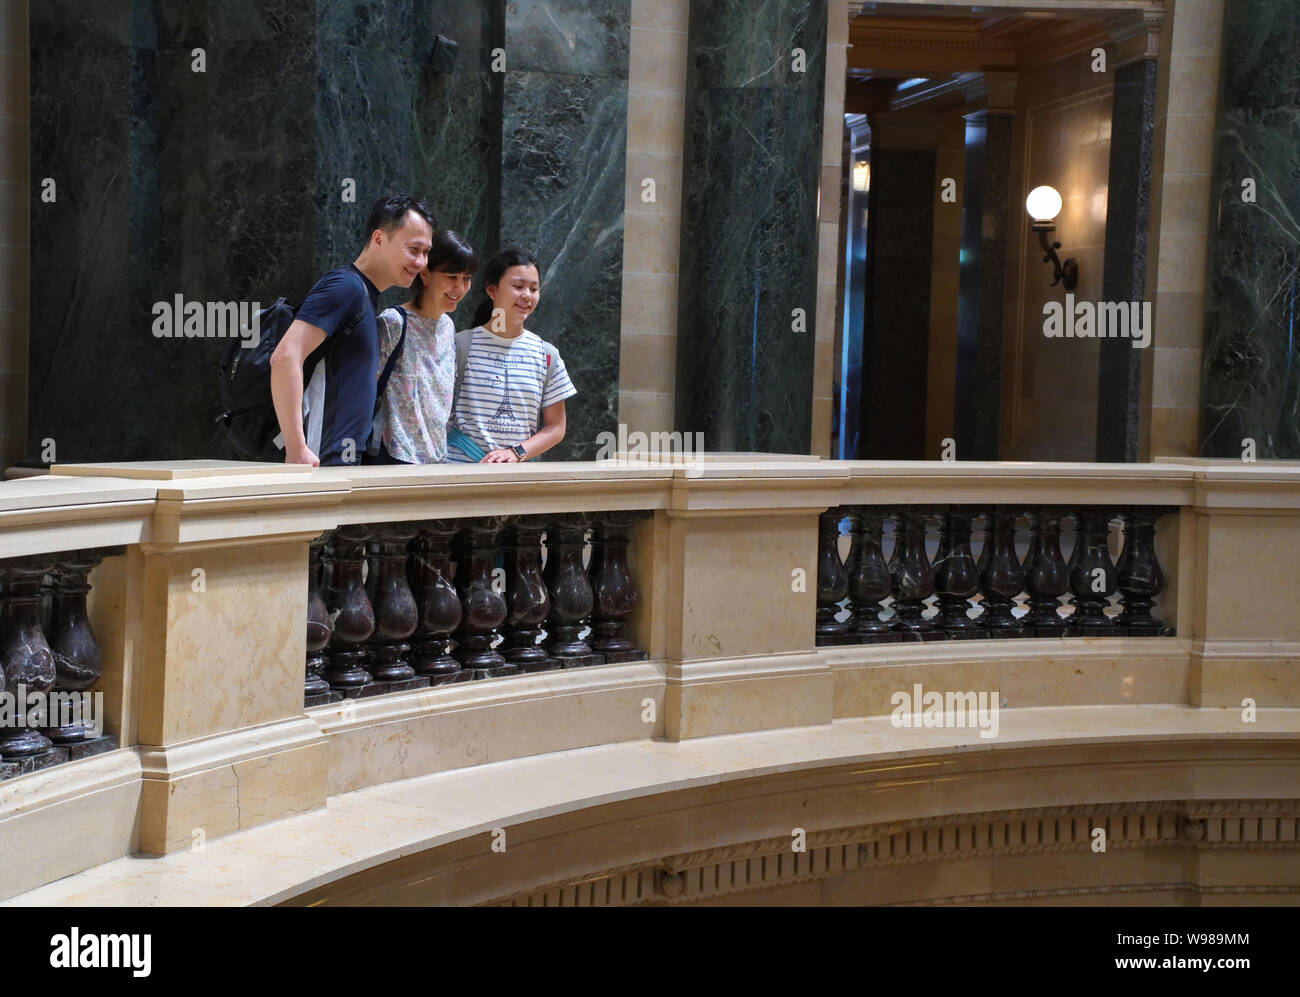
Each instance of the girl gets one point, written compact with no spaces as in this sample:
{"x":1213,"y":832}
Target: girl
{"x":411,"y":420}
{"x":510,"y":384}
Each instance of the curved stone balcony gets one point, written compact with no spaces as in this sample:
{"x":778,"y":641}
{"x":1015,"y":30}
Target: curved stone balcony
{"x":743,"y":679}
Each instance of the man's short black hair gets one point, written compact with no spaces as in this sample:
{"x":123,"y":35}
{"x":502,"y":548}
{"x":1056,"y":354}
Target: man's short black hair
{"x":389,"y":214}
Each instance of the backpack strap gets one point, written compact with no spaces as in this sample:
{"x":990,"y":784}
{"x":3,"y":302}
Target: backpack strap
{"x":392,"y":363}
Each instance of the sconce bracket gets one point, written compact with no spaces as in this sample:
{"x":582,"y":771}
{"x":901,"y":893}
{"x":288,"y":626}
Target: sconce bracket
{"x":1066,"y":273}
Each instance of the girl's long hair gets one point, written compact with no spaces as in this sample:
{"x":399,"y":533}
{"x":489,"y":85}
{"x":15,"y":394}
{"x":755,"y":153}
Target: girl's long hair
{"x":511,"y":256}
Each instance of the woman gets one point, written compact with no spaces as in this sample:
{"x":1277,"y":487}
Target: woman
{"x":510,"y":383}
{"x":411,"y":420}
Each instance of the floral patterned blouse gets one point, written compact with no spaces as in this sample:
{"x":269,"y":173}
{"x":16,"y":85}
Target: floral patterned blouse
{"x":412,"y":419}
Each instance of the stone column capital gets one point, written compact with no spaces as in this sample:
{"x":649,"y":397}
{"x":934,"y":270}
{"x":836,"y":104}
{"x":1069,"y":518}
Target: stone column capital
{"x":1136,"y":35}
{"x":992,"y":91}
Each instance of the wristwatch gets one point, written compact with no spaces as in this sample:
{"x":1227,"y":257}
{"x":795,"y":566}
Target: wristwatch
{"x":520,"y":452}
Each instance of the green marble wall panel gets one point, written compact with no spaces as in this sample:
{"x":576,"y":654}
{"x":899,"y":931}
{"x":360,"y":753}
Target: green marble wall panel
{"x":563,"y":150}
{"x":752,"y":152}
{"x":1251,"y":357}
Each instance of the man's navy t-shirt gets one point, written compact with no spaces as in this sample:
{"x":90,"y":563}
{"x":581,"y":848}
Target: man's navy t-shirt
{"x":332,"y":305}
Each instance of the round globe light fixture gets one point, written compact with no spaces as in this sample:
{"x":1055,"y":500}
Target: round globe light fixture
{"x":1043,"y":204}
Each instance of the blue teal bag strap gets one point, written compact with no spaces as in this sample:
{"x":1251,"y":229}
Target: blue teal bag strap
{"x":457,"y":437}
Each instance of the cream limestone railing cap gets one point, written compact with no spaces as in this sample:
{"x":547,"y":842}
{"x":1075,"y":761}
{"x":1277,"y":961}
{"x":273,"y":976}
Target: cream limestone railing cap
{"x":1222,"y":462}
{"x":175,"y":470}
{"x":212,"y":501}
{"x":1250,"y":486}
{"x":380,"y":493}
{"x":709,"y":456}
{"x":46,"y":514}
{"x":1016,"y":482}
{"x":205,"y":501}
{"x":48,"y":491}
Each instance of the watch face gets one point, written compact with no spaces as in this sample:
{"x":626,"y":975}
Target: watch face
{"x":519,"y":451}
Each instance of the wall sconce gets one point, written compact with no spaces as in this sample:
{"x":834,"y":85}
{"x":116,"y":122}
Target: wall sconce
{"x":861,"y":176}
{"x":1043,"y":205}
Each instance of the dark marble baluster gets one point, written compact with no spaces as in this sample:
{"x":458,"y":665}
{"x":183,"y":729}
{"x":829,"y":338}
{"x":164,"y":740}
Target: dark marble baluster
{"x":77,"y":661}
{"x":955,"y":577}
{"x":1003,"y":577}
{"x":986,"y":548}
{"x":1140,"y":577}
{"x":25,"y":655}
{"x":1047,"y":576}
{"x":570,"y":591}
{"x":440,"y":611}
{"x":483,"y":603}
{"x":1092,"y":575}
{"x":350,"y":609}
{"x":46,"y":603}
{"x":869,"y":580}
{"x":527,"y":601}
{"x":832,"y":580}
{"x":316,"y":690}
{"x":614,"y":595}
{"x":396,"y":615}
{"x":912,"y":577}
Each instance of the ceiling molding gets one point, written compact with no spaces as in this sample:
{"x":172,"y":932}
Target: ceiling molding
{"x":941,"y":41}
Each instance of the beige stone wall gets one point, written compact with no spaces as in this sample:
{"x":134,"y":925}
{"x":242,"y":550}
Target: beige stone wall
{"x":1187,"y":98}
{"x":830,"y":237}
{"x":655,"y":134}
{"x":14,"y":240}
{"x":1062,"y":139}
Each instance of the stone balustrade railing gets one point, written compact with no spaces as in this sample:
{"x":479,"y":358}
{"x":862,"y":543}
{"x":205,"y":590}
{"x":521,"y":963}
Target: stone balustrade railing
{"x":403,"y":606}
{"x":49,"y":663}
{"x":976,"y":597}
{"x":657,"y":600}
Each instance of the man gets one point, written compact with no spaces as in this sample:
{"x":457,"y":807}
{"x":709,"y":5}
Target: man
{"x":341,"y":397}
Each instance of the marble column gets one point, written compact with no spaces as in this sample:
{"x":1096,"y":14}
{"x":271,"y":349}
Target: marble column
{"x":749,"y":246}
{"x":93,"y":224}
{"x":388,"y":118}
{"x":456,"y":144}
{"x":1128,"y":209}
{"x":563,"y":153}
{"x":1250,"y":387}
{"x":896,"y":326}
{"x":230,"y":217}
{"x":981,"y":306}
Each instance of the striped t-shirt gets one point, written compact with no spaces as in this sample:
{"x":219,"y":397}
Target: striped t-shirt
{"x":505,"y":385}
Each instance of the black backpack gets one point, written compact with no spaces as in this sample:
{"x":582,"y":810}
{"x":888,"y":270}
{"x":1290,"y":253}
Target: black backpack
{"x":248,"y":411}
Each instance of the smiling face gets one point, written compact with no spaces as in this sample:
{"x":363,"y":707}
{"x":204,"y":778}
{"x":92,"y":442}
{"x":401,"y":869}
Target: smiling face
{"x":516,"y":294}
{"x":405,"y":250}
{"x":443,"y":291}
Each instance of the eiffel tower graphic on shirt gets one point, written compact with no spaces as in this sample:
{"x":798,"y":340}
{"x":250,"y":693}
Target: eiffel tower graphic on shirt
{"x":504,"y":411}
